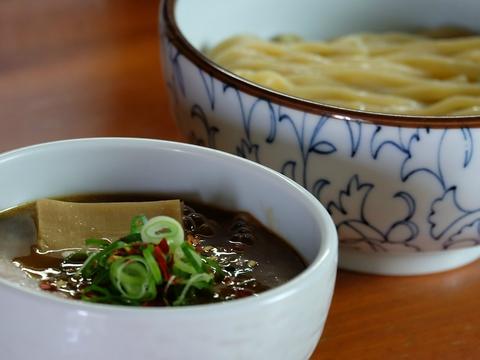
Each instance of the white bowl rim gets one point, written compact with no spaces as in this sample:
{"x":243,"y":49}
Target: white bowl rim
{"x":175,"y":35}
{"x":328,"y":247}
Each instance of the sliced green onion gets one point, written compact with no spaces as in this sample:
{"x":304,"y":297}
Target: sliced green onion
{"x":180,"y":263}
{"x":194,"y":279}
{"x":131,"y":238}
{"x":163,"y":227}
{"x":87,"y":268}
{"x":192,"y":256}
{"x":212,"y":266}
{"x":152,"y":264}
{"x":101,"y":243}
{"x":131,"y":277}
{"x":99,"y":258}
{"x":105,"y":295}
{"x":170,"y":282}
{"x":79,"y":256}
{"x":128,"y":271}
{"x":137,"y":224}
{"x":102,"y":278}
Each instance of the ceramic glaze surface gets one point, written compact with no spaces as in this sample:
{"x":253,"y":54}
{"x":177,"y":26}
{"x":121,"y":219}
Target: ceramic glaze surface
{"x":389,"y":189}
{"x":250,"y":328}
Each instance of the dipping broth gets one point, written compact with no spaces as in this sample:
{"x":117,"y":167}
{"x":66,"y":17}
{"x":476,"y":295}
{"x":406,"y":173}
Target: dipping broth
{"x":251,"y":259}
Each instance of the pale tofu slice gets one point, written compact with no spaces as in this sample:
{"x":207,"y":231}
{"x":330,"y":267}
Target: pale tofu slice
{"x":66,"y":225}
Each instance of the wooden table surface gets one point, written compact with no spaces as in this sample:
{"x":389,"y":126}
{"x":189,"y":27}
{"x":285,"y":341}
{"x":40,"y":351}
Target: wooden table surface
{"x":90,"y":68}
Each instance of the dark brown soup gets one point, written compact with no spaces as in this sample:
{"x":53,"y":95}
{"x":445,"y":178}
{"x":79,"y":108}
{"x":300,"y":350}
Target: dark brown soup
{"x":251,"y":257}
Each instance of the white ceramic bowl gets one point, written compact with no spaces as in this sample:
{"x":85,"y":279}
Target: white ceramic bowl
{"x":282,"y":323}
{"x":402,"y":190}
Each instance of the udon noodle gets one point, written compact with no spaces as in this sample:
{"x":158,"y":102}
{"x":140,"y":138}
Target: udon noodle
{"x":398,"y":73}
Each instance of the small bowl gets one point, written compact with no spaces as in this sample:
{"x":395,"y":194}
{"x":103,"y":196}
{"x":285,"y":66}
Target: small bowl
{"x":257,"y":327}
{"x":402,"y":190}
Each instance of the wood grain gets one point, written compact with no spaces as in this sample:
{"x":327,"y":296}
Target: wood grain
{"x":72,"y":68}
{"x":80,"y":69}
{"x":424,"y":317}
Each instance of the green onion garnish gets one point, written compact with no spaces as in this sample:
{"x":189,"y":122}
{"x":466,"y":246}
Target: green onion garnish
{"x":163,"y":227}
{"x":197,"y":280}
{"x":97,"y":243}
{"x":131,"y":276}
{"x":192,"y":257}
{"x":152,"y":264}
{"x":137,"y":223}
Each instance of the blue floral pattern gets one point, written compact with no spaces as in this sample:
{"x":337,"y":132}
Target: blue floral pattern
{"x":383,"y":190}
{"x":350,"y":215}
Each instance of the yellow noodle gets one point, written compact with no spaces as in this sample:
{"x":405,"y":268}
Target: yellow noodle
{"x":343,"y":93}
{"x":474,"y":110}
{"x":439,"y":67}
{"x":436,"y":73}
{"x":451,"y":105}
{"x":472,"y":55}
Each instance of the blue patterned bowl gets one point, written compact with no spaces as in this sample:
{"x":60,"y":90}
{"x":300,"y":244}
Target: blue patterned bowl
{"x":402,"y":190}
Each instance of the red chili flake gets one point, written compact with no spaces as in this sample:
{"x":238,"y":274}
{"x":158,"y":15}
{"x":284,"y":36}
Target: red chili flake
{"x":120,"y":252}
{"x":164,"y":246}
{"x":193,"y":240}
{"x":46,"y":285}
{"x":133,"y":251}
{"x":157,"y":251}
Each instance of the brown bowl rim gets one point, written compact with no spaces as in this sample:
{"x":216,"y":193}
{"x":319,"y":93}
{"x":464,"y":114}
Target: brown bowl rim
{"x":176,"y":37}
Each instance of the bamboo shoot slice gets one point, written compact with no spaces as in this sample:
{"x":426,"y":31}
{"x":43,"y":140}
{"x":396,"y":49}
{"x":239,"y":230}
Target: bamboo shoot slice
{"x":66,"y":225}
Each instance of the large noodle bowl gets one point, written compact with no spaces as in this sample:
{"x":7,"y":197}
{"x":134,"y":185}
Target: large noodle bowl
{"x":432,"y":74}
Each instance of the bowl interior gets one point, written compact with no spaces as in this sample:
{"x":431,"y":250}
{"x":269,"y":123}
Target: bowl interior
{"x":127,"y":165}
{"x":205,"y":23}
